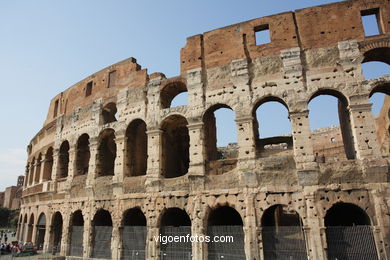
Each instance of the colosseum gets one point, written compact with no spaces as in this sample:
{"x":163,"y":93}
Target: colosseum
{"x":115,"y":166}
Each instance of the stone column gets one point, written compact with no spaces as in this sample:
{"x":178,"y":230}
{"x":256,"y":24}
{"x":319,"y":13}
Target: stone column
{"x":43,"y":161}
{"x":364,"y":133}
{"x":116,"y":243}
{"x":303,"y":148}
{"x":65,"y":235}
{"x":117,"y":180}
{"x":93,"y":146}
{"x":312,"y":230}
{"x":199,"y":250}
{"x":72,"y":164}
{"x":152,"y":247}
{"x":197,"y":156}
{"x":34,"y":232}
{"x":32,"y":173}
{"x":46,"y":242}
{"x":154,"y":160}
{"x":54,"y":172}
{"x":87,"y":237}
{"x":250,"y":229}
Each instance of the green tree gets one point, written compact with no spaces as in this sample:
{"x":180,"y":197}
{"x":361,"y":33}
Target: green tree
{"x":4,"y":217}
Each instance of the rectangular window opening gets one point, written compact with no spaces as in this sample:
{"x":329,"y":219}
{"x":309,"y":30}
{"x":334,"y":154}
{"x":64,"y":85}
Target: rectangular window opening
{"x":55,"y":108}
{"x":370,"y":20}
{"x":88,"y":89}
{"x":111,"y":79}
{"x":262,"y":34}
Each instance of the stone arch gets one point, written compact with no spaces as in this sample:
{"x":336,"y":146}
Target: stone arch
{"x":48,"y":166}
{"x":349,"y":232}
{"x":136,"y":148}
{"x":275,"y":144}
{"x":282,"y":233}
{"x":56,"y":232}
{"x":224,"y":221}
{"x":175,"y":146}
{"x":41,"y":231}
{"x":102,"y":233}
{"x":133,"y":233}
{"x":345,"y":121}
{"x":76,"y":233}
{"x":83,"y":155}
{"x":106,"y":153}
{"x":109,"y":113}
{"x":63,"y":160}
{"x":218,"y":160}
{"x":175,"y":222}
{"x":377,"y":52}
{"x":170,"y":90}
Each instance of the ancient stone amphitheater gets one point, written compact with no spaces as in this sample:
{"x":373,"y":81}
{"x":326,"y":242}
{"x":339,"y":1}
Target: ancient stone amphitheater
{"x":115,"y":166}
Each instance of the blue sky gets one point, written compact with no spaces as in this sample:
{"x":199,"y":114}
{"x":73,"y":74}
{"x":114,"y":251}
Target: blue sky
{"x":47,"y":46}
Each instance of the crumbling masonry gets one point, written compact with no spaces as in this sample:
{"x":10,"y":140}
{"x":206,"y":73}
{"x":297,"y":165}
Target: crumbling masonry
{"x":115,"y":164}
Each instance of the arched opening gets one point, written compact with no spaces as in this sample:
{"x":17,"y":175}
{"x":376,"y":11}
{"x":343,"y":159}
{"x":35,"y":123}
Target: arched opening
{"x":348,"y":233}
{"x":378,"y":54}
{"x":76,"y":234}
{"x":63,"y":160}
{"x":272,"y":128}
{"x":226,"y":222}
{"x":176,"y":222}
{"x":102,"y":232}
{"x":136,"y":148}
{"x":41,"y":230}
{"x":380,"y":99}
{"x":106,"y":153}
{"x":82,"y":155}
{"x":109,"y":113}
{"x":170,"y":95}
{"x":48,"y":166}
{"x":220,"y":139}
{"x":134,"y":234}
{"x":31,"y":173}
{"x":56,"y":232}
{"x":38,"y":168}
{"x":331,"y":127}
{"x":175,"y":146}
{"x":282,"y":234}
{"x":30,"y":228}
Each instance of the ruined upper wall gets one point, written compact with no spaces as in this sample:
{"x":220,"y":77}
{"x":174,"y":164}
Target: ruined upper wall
{"x":309,"y":28}
{"x":124,"y":74}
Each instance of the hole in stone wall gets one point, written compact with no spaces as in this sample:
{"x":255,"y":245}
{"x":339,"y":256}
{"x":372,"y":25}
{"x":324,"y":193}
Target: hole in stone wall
{"x":170,"y":95}
{"x":224,"y":216}
{"x":109,"y":113}
{"x":82,"y":155}
{"x":106,"y":153}
{"x":370,"y":21}
{"x":112,"y":79}
{"x":220,"y":139}
{"x":262,"y":34}
{"x":63,"y":160}
{"x":272,"y":128}
{"x":55,"y":112}
{"x":102,"y":233}
{"x":48,"y":166}
{"x":136,"y":148}
{"x":38,"y":168}
{"x":334,"y":121}
{"x":56,"y":230}
{"x":134,"y":217}
{"x":175,"y":146}
{"x":88,"y":89}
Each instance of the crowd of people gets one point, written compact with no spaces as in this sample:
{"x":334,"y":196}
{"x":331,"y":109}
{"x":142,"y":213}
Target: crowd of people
{"x":8,"y":245}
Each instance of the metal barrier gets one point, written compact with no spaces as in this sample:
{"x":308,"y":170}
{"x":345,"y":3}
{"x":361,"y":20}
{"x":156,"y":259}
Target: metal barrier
{"x":232,"y":249}
{"x":134,"y":242}
{"x":284,"y":242}
{"x":176,"y":250}
{"x":102,"y":242}
{"x":351,"y":242}
{"x":76,"y":241}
